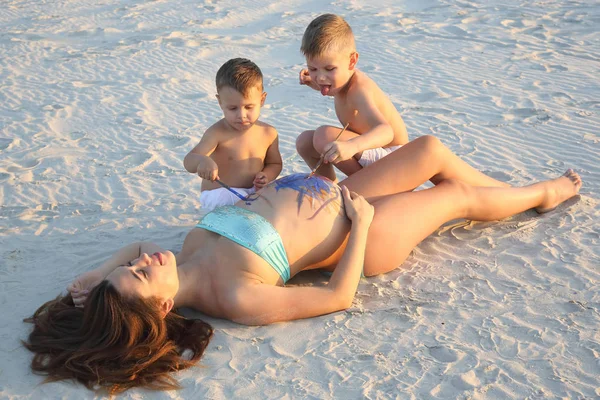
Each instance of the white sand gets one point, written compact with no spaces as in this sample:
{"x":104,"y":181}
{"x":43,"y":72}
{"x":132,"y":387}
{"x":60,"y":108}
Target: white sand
{"x":100,"y":101}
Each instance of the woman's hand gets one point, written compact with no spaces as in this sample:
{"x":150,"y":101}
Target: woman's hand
{"x":81,"y":286}
{"x":358,"y":210}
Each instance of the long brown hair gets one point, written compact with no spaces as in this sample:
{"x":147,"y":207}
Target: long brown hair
{"x":113,"y":342}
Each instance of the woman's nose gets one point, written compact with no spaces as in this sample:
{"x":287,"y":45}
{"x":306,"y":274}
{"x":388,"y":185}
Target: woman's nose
{"x":145,"y":257}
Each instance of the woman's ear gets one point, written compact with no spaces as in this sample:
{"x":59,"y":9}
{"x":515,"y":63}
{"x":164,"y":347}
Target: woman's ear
{"x":166,"y":306}
{"x":353,"y":60}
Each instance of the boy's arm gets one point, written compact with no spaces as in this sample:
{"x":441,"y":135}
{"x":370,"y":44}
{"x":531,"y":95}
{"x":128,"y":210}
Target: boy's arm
{"x":272,"y":165}
{"x":273,"y":162}
{"x":306,"y":80}
{"x":380,"y":133}
{"x":199,"y":156}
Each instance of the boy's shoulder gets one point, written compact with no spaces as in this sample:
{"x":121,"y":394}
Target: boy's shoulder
{"x":361,"y":82}
{"x":218,"y":128}
{"x":270,"y":129}
{"x":361,"y":88}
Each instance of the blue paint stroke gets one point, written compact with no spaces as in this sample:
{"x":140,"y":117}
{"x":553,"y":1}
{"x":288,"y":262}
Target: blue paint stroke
{"x":315,"y":187}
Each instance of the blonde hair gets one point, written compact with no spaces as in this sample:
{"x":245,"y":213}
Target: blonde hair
{"x":327,"y":32}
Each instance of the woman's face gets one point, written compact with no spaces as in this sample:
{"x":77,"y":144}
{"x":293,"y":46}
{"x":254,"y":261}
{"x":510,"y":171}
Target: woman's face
{"x":148,"y":276}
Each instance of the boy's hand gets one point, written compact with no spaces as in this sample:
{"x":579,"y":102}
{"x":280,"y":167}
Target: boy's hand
{"x":81,"y":286}
{"x":358,"y":210}
{"x":208,"y":170}
{"x":305,"y":77}
{"x":260,"y":180}
{"x":339,"y":151}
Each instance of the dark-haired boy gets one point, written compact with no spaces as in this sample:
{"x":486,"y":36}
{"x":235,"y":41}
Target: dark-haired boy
{"x":239,"y":150}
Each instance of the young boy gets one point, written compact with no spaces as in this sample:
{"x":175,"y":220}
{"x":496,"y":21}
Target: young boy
{"x":238,"y":150}
{"x":375,"y":128}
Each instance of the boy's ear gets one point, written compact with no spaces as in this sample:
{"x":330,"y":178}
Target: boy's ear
{"x":218,"y":98}
{"x":263,"y":98}
{"x":353,"y":60}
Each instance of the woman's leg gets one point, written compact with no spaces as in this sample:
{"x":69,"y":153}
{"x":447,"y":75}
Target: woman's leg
{"x":418,"y":161}
{"x":403,"y":220}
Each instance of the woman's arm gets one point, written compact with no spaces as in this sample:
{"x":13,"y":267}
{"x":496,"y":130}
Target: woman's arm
{"x":81,"y":286}
{"x":259,"y":304}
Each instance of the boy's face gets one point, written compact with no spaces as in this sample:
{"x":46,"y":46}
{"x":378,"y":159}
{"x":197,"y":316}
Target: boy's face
{"x":332,"y":70}
{"x":241,"y":112}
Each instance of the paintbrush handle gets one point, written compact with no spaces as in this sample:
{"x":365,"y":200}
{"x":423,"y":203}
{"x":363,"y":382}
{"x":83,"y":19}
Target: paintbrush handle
{"x":230,"y":189}
{"x":321,"y":159}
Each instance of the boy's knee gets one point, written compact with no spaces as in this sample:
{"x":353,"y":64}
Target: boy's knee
{"x":304,"y":142}
{"x":324,"y":135}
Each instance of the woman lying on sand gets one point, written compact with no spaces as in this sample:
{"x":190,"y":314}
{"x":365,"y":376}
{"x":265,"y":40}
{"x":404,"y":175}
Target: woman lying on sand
{"x":115,"y":328}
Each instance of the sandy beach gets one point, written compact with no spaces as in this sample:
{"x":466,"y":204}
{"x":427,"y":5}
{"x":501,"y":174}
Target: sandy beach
{"x":100,"y":102}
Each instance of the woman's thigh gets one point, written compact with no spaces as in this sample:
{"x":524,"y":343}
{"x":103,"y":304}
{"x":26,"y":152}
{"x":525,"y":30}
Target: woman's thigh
{"x":403,"y":220}
{"x":401,"y":171}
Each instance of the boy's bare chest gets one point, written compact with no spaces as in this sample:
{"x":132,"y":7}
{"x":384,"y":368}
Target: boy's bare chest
{"x":236,"y":148}
{"x":345,"y":113}
{"x":343,"y":110}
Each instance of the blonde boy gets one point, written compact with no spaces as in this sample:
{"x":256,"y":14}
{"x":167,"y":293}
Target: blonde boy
{"x":238,"y":150}
{"x":374,"y":131}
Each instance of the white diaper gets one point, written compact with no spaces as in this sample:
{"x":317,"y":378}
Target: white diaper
{"x":209,"y":199}
{"x":369,"y":156}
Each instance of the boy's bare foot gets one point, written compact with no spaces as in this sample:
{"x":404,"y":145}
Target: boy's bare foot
{"x":559,"y":190}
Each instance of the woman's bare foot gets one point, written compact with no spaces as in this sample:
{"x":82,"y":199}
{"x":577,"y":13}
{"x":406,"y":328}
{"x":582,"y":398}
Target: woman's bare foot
{"x":559,"y":190}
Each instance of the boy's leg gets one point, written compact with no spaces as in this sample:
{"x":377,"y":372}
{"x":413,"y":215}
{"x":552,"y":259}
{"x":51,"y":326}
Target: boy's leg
{"x":403,"y":220}
{"x":418,"y":161}
{"x":306,"y":149}
{"x":327,"y":134}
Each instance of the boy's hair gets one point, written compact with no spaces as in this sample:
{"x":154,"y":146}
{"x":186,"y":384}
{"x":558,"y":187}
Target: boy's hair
{"x":240,"y":74}
{"x":327,"y":32}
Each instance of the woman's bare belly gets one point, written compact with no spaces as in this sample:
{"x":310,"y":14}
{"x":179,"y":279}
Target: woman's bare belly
{"x":309,"y":216}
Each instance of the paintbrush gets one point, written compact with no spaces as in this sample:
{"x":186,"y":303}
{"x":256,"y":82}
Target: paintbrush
{"x":336,"y":138}
{"x":230,"y":189}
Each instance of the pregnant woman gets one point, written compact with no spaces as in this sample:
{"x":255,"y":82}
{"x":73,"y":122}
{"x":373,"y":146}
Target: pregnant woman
{"x":116,"y":328}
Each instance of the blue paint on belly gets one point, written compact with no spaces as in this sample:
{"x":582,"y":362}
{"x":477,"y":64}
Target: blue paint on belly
{"x":315,"y":188}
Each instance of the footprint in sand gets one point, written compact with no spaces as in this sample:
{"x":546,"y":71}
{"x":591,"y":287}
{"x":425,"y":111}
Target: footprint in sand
{"x":443,"y":354}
